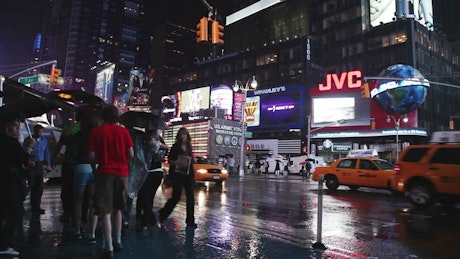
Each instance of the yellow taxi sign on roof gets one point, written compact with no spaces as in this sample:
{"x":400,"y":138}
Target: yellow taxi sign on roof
{"x":363,"y":153}
{"x":445,"y":137}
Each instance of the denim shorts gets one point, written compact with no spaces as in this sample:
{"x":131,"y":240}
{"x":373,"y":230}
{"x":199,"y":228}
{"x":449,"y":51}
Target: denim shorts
{"x":83,"y":174}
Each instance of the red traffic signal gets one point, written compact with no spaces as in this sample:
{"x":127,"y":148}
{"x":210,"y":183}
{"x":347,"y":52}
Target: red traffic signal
{"x":248,"y":148}
{"x":202,"y":30}
{"x":217,"y":33}
{"x":54,"y":74}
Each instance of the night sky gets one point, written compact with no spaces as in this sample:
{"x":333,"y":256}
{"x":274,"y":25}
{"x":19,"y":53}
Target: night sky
{"x":21,"y":21}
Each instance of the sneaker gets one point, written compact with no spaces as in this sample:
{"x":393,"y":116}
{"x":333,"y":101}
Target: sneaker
{"x":9,"y":251}
{"x":108,"y":254}
{"x":90,"y":240}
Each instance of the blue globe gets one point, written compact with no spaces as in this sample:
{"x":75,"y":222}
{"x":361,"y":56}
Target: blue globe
{"x":404,"y":90}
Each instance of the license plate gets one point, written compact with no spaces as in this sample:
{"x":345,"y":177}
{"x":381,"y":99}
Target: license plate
{"x":216,"y":177}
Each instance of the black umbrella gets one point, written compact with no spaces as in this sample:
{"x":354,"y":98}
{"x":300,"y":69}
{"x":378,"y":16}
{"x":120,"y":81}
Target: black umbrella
{"x":26,"y":108}
{"x":145,"y":120}
{"x":76,"y":97}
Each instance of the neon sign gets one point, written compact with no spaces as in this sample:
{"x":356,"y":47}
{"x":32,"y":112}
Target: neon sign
{"x":352,"y":79}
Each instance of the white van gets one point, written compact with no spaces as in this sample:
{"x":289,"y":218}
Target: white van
{"x":296,"y":163}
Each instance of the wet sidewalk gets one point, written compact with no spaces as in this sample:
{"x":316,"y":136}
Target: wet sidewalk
{"x":220,"y":234}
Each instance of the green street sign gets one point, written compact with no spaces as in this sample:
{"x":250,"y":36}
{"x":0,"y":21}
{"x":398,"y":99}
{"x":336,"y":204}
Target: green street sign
{"x":248,"y":134}
{"x":339,"y":147}
{"x":28,"y":80}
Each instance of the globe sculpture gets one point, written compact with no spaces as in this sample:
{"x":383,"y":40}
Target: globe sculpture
{"x":400,"y":89}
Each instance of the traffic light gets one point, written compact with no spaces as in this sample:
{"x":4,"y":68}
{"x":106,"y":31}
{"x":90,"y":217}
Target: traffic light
{"x":54,"y":74}
{"x":365,"y":91}
{"x":451,"y":124}
{"x":217,"y":33}
{"x":248,"y":148}
{"x":202,"y":30}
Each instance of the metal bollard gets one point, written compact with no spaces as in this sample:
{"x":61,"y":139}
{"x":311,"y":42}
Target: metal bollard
{"x":319,"y":229}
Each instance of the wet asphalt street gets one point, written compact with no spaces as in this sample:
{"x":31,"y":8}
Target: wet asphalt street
{"x":259,"y":217}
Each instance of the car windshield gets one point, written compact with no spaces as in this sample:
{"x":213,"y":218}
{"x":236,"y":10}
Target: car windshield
{"x":385,"y":165}
{"x":203,"y":160}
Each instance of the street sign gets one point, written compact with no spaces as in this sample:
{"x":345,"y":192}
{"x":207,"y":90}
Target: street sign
{"x":28,"y":80}
{"x":248,"y":134}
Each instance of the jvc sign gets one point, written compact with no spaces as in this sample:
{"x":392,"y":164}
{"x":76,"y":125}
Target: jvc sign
{"x":351,"y":79}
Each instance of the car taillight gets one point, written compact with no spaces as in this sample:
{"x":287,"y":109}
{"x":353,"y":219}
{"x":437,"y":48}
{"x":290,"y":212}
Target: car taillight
{"x":397,"y":169}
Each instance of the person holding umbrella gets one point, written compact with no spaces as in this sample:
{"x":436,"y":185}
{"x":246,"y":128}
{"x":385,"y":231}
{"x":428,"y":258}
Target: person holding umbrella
{"x":13,"y":158}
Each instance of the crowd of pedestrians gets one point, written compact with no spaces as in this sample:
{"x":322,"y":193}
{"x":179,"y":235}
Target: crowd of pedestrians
{"x":98,"y":162}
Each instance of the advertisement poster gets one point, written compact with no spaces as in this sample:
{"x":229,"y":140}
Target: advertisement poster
{"x":238,"y":99}
{"x":104,"y":83}
{"x":194,"y":100}
{"x":139,"y":95}
{"x":222,"y":98}
{"x":252,"y":111}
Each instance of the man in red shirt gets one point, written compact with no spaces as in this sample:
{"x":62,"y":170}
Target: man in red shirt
{"x":110,"y":147}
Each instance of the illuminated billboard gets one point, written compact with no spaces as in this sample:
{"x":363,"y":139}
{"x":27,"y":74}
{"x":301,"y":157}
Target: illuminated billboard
{"x":276,"y":108}
{"x":222,"y":98}
{"x":192,"y":101}
{"x":139,"y":96}
{"x":386,"y":11}
{"x":348,"y":106}
{"x":104,"y":83}
{"x":169,"y":106}
{"x":333,"y":109}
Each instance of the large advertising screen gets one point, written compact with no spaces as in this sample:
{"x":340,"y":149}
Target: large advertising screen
{"x":281,"y":109}
{"x":277,"y":108}
{"x":139,"y":93}
{"x":194,"y":100}
{"x":333,"y":109}
{"x":222,"y":98}
{"x":385,"y":11}
{"x":349,"y":108}
{"x":104,"y":83}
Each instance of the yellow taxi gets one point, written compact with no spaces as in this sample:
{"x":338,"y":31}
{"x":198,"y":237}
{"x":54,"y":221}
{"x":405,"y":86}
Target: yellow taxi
{"x":357,"y":170}
{"x":205,"y":171}
{"x":430,"y":173}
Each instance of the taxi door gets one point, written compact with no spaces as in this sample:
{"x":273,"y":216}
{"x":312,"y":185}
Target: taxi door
{"x":346,"y":171}
{"x":445,"y":165}
{"x":367,"y":174}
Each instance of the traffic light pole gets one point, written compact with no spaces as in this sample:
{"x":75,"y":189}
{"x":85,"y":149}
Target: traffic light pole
{"x":47,"y":63}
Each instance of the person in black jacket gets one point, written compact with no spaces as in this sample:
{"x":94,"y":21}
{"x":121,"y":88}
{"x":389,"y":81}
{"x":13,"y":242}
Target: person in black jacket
{"x":13,"y":184}
{"x":181,"y":172}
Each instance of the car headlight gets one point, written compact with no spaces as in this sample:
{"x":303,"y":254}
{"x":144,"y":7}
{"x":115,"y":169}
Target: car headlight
{"x":224,"y":171}
{"x":201,"y":171}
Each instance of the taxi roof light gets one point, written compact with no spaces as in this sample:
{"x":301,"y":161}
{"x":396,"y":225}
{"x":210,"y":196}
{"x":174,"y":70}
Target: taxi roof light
{"x":363,"y":153}
{"x":445,"y":137}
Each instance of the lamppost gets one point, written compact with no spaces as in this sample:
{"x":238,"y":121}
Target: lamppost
{"x":251,"y":85}
{"x":397,"y":124}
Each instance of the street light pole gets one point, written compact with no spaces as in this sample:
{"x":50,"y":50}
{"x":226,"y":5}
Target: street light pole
{"x":251,"y":85}
{"x":397,"y":125}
